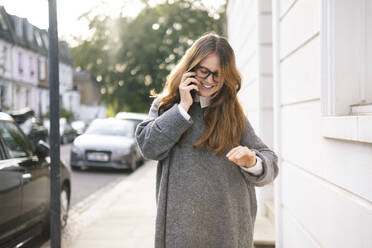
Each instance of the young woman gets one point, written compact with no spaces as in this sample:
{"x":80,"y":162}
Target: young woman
{"x":210,"y":158}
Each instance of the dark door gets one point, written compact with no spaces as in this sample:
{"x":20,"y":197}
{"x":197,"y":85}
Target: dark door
{"x":10,"y":196}
{"x":35,"y":175}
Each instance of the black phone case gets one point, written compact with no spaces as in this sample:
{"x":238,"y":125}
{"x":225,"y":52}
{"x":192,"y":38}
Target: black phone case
{"x":193,"y":92}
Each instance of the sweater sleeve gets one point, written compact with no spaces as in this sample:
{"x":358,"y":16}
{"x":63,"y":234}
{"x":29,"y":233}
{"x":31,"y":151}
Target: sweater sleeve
{"x":269,"y":159}
{"x":157,"y":135}
{"x":256,"y":169}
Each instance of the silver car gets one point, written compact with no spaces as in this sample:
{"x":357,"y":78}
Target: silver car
{"x":108,"y":143}
{"x":135,"y":117}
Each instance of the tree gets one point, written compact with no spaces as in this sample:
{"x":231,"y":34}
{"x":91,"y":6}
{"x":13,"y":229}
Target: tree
{"x":133,"y":57}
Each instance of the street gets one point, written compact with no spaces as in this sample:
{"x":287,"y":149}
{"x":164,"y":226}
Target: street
{"x":87,"y":181}
{"x":87,"y":185}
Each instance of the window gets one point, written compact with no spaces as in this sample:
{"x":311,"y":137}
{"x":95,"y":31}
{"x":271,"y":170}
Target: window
{"x":38,"y":39}
{"x":3,"y":59}
{"x":42,"y":74}
{"x":2,"y":97}
{"x":2,"y":22}
{"x":347,"y":55}
{"x":30,"y":32}
{"x":15,"y":141}
{"x":20,"y":65}
{"x":32,"y":72}
{"x":346,"y":100}
{"x":28,"y":97}
{"x":19,"y":29}
{"x":45,"y":39}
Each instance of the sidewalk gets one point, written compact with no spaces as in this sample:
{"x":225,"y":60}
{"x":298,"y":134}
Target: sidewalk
{"x":122,"y":216}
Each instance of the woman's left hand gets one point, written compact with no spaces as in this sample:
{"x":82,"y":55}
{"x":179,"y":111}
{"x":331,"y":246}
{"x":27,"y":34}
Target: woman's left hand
{"x":242,"y":156}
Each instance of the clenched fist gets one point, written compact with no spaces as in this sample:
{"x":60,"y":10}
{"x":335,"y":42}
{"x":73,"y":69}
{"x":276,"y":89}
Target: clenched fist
{"x":242,"y":156}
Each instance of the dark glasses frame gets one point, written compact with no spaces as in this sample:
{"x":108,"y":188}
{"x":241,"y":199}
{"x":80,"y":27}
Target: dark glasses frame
{"x":214,"y":74}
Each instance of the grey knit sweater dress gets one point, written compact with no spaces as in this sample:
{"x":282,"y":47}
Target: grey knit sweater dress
{"x":203,"y":200}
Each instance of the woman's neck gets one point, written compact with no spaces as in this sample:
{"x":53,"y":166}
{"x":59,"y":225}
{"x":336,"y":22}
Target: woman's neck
{"x":204,"y":100}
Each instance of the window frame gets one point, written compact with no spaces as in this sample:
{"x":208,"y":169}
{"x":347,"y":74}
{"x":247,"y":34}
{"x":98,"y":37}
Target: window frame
{"x":3,"y":150}
{"x":352,"y":126}
{"x":6,"y":150}
{"x":42,"y":68}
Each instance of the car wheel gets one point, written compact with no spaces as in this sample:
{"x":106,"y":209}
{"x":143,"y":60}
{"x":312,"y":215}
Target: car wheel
{"x":133,"y":164}
{"x":75,"y":168}
{"x":65,"y":204}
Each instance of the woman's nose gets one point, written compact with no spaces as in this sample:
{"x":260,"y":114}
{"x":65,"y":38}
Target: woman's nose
{"x":209,"y":79}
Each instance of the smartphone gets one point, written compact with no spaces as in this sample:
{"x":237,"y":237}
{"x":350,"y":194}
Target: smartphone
{"x":192,"y":92}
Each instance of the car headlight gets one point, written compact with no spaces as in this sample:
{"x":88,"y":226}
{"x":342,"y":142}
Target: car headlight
{"x":122,"y":150}
{"x":76,"y":150}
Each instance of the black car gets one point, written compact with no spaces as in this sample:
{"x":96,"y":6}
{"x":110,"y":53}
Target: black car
{"x":25,"y":186}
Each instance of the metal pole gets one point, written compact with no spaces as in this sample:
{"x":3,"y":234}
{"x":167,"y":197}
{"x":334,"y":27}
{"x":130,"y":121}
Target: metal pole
{"x":55,"y":209}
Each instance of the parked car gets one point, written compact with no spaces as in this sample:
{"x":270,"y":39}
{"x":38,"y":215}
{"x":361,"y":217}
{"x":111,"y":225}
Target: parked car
{"x":79,"y":126}
{"x":135,"y":117}
{"x":108,"y":143}
{"x":30,"y":124}
{"x":25,"y":186}
{"x":66,"y":132}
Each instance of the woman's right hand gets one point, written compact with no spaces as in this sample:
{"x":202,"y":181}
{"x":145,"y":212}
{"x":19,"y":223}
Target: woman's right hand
{"x":188,"y":83}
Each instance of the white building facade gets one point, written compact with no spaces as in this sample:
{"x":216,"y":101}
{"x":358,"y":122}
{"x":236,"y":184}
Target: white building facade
{"x":5,"y":75}
{"x":69,"y":95}
{"x":321,"y":115}
{"x":24,"y":78}
{"x":253,"y":50}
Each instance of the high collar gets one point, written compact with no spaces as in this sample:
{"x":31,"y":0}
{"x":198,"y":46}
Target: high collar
{"x":204,"y":100}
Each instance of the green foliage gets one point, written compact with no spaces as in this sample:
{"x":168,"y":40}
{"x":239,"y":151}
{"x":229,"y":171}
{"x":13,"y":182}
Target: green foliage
{"x":131,"y":57}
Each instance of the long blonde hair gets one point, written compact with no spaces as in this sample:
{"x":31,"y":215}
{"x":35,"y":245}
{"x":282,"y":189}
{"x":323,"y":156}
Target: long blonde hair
{"x":224,"y":118}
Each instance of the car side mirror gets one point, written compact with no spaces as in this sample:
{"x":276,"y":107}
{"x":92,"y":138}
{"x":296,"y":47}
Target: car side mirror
{"x":42,"y":149}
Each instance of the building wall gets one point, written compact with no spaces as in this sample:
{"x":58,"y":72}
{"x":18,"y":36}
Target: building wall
{"x":253,"y":50}
{"x":5,"y":75}
{"x":325,"y":198}
{"x":5,"y":59}
{"x":323,"y":193}
{"x":24,"y":77}
{"x":66,"y":77}
{"x":70,"y":98}
{"x":43,"y":101}
{"x":90,"y":97}
{"x":72,"y":101}
{"x":88,"y":113}
{"x":25,"y":66}
{"x":43,"y":71}
{"x":90,"y":92}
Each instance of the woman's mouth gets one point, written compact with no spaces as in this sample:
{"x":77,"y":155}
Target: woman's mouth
{"x":207,"y":87}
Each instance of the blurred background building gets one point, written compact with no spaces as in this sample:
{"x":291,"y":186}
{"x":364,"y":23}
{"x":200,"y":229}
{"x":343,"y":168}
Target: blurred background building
{"x":308,"y":93}
{"x":24,"y":71}
{"x":90,"y":96}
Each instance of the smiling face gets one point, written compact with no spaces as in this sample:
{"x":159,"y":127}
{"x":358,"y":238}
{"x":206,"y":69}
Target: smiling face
{"x":208,"y":86}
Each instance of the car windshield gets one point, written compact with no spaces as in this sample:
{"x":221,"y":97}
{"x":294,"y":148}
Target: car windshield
{"x":111,"y":128}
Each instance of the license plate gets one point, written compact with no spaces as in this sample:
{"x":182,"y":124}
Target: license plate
{"x":98,"y":156}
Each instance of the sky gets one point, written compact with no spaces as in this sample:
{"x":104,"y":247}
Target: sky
{"x":68,"y":12}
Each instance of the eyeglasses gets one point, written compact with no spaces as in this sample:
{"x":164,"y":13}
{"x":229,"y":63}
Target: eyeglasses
{"x":204,"y":73}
